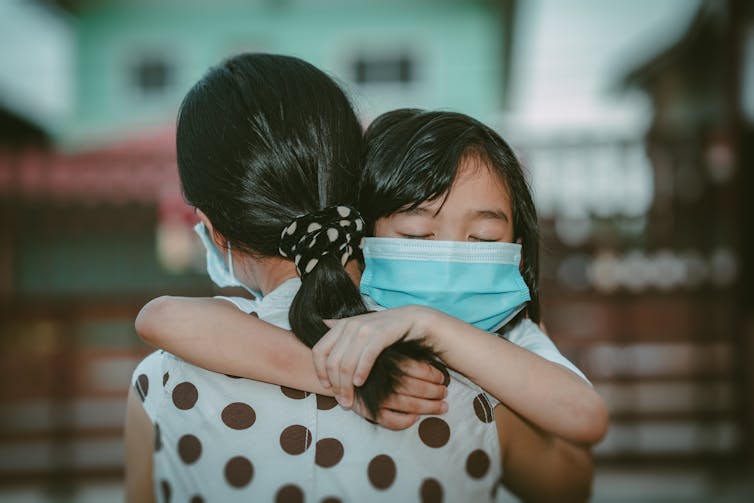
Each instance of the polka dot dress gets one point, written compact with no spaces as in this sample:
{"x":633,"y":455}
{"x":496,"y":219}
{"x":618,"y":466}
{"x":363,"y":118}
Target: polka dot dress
{"x":222,"y":438}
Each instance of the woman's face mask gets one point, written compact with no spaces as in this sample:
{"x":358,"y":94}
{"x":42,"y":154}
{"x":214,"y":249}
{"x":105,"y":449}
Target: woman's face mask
{"x":220,"y":272}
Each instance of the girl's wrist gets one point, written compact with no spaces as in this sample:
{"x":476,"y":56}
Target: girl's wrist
{"x":427,"y":322}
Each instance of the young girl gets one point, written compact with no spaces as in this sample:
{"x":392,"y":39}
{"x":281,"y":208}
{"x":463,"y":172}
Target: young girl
{"x":439,"y":177}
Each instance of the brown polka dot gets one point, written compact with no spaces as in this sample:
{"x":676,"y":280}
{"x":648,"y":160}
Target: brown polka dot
{"x":328,"y":452}
{"x":289,"y":494}
{"x":381,"y":471}
{"x":295,"y":439}
{"x":142,"y":386}
{"x":431,"y":491}
{"x":185,"y":395}
{"x":238,"y":416}
{"x":165,"y":378}
{"x":434,"y":432}
{"x":331,"y":499}
{"x":326,"y":402}
{"x":482,"y":409}
{"x":477,"y":464}
{"x":239,"y":471}
{"x":295,"y":394}
{"x":196,"y":499}
{"x":166,"y":490}
{"x":157,"y":437}
{"x":189,"y":448}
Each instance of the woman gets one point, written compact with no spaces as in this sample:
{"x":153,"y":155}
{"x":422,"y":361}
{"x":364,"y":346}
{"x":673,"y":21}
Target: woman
{"x":265,"y":145}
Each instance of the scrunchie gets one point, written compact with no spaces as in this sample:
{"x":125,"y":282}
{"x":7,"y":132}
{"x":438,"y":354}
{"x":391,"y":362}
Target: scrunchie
{"x":332,"y":230}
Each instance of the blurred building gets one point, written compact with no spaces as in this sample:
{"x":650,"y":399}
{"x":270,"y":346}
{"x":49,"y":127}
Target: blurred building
{"x":647,"y":273}
{"x":135,"y":60}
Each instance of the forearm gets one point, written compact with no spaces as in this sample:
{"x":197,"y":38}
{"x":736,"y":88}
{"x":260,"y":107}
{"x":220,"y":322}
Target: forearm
{"x":538,"y":467}
{"x":547,"y":394}
{"x":213,"y":334}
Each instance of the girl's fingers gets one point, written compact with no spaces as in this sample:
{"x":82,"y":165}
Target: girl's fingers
{"x":395,"y":420}
{"x":333,"y":370}
{"x":321,"y":351}
{"x":420,"y":388}
{"x":422,"y":370}
{"x":348,"y":362}
{"x":367,"y":358}
{"x":390,"y":419}
{"x":413,"y":405}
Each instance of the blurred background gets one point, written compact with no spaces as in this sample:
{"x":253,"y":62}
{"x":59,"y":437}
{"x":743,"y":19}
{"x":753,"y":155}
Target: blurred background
{"x":635,"y":120}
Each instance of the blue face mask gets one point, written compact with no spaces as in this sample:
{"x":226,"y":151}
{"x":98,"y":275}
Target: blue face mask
{"x":220,"y":273}
{"x":478,"y":283}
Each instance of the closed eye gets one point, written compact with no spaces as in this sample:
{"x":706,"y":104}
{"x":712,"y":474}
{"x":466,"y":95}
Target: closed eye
{"x":415,"y":236}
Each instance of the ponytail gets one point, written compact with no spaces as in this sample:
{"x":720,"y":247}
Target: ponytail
{"x":320,"y":244}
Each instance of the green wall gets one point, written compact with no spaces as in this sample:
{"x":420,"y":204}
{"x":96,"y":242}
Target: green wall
{"x":457,"y":47}
{"x":96,"y":264}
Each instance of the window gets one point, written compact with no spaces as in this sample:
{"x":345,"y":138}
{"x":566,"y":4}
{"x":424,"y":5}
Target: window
{"x":384,"y":70}
{"x":152,"y":75}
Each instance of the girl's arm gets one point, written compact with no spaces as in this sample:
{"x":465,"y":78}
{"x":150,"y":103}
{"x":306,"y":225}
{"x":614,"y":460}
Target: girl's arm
{"x":550,"y":396}
{"x":139,"y":439}
{"x":538,"y":467}
{"x":216,"y":335}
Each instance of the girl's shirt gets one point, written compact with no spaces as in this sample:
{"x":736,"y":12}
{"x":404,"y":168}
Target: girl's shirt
{"x":221,"y":438}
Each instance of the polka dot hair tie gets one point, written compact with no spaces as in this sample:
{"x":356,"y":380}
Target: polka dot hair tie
{"x":333,"y":230}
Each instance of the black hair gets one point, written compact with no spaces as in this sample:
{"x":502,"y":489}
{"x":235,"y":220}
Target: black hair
{"x":263,"y":139}
{"x":413,"y":156}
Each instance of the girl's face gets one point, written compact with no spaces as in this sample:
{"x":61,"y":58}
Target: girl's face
{"x":477,"y":208}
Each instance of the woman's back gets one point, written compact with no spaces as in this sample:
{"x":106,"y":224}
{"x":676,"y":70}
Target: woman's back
{"x":228,"y":439}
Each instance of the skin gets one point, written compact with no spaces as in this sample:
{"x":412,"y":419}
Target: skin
{"x":538,"y":467}
{"x":139,"y":435}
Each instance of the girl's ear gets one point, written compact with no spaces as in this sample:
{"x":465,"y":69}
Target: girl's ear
{"x":220,"y":242}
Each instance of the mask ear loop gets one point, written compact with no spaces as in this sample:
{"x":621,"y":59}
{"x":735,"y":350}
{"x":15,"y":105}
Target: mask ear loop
{"x":230,"y":261}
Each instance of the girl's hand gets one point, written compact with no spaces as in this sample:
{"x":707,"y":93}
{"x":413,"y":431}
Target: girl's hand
{"x":345,"y":355}
{"x":421,"y":391}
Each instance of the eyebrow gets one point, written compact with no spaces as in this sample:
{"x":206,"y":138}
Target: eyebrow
{"x":494,"y":214}
{"x":486,"y":214}
{"x":415,"y":211}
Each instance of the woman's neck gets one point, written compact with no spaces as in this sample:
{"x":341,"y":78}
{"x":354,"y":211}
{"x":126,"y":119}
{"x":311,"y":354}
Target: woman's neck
{"x":273,"y":272}
{"x":269,"y":273}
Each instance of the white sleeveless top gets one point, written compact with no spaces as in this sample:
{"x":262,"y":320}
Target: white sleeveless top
{"x":220,"y":438}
